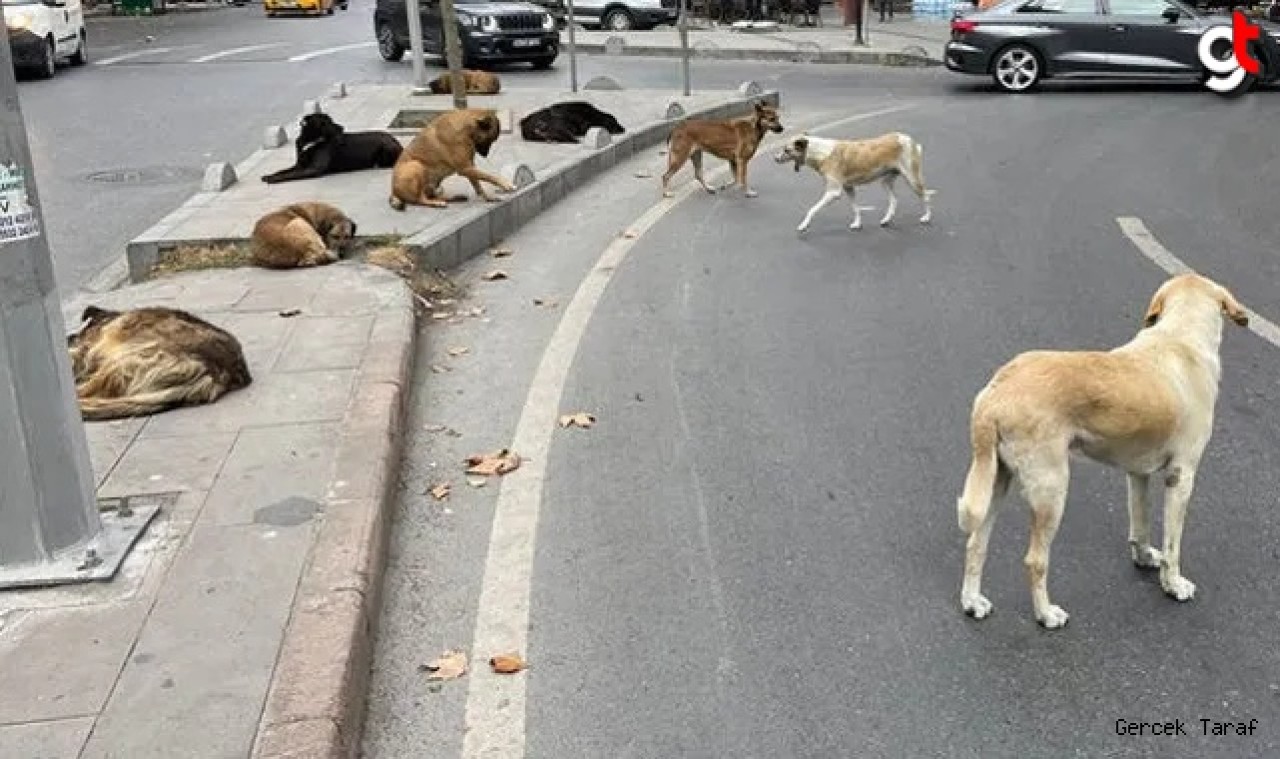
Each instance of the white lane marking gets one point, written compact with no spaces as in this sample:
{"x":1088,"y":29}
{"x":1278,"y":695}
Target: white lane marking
{"x":331,"y":51}
{"x":135,"y":54}
{"x":495,"y":713}
{"x":1150,"y":247}
{"x":233,"y":51}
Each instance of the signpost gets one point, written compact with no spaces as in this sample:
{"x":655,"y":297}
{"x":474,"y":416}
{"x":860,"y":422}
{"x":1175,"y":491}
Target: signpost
{"x":684,"y":44}
{"x":453,"y":53}
{"x":573,"y":48}
{"x":415,"y":48}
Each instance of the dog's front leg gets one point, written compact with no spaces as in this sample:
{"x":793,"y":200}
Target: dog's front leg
{"x":733,"y":175}
{"x":1144,"y":556}
{"x":741,"y":164}
{"x":476,"y":176}
{"x":831,"y":194}
{"x":857,"y":212}
{"x":1179,"y":481}
{"x":893,"y":201}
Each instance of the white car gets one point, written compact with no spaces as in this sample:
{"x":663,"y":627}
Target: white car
{"x":43,"y":32}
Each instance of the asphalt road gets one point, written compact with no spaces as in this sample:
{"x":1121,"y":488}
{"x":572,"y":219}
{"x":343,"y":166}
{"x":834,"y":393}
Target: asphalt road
{"x":754,"y":552}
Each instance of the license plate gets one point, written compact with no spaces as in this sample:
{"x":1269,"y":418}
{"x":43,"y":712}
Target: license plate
{"x":525,"y":43}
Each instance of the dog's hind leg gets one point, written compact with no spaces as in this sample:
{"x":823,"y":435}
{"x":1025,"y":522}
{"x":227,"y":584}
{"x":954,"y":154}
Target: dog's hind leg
{"x":1045,"y":475}
{"x":1144,"y":556}
{"x":1179,"y":480}
{"x":914,"y":174}
{"x":696,"y":159}
{"x":677,"y":153}
{"x":892,"y":210}
{"x":833,"y":192}
{"x":972,"y":602}
{"x":733,"y":175}
{"x":852,"y":192}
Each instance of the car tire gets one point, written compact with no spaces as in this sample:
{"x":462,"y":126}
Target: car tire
{"x":1017,"y":68}
{"x":48,"y":65}
{"x":81,"y":56}
{"x":618,"y":20}
{"x":388,"y":46}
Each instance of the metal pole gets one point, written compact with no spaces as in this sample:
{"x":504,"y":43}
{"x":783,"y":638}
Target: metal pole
{"x":859,"y":7}
{"x":573,"y":49}
{"x":453,"y":53}
{"x":415,"y":48}
{"x":48,"y":514}
{"x":684,"y":44}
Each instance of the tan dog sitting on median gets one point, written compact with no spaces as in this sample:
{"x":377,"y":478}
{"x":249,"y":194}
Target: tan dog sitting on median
{"x":1146,"y":407}
{"x":732,"y":140}
{"x":446,"y":146}
{"x":301,"y":235}
{"x":846,"y":164}
{"x":148,"y":360}
{"x":476,"y":82}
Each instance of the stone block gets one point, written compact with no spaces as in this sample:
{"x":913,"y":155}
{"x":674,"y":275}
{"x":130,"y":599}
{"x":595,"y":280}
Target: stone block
{"x":311,"y":106}
{"x":602,"y":83}
{"x":218,"y":177}
{"x":274,"y":137}
{"x":518,"y":174}
{"x":750,"y":88}
{"x":674,"y":111}
{"x":596,"y":138}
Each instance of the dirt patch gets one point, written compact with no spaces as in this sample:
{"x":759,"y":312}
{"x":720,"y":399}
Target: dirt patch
{"x":201,"y":257}
{"x":429,"y":286}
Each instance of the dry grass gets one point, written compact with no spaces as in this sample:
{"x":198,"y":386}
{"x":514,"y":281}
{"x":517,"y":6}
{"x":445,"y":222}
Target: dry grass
{"x":430,"y":286}
{"x":201,"y":257}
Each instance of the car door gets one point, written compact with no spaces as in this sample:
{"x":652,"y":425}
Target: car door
{"x":1153,"y":37}
{"x":1071,"y":34}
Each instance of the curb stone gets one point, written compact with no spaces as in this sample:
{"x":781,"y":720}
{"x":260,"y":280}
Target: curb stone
{"x":315,"y":703}
{"x":872,"y":57}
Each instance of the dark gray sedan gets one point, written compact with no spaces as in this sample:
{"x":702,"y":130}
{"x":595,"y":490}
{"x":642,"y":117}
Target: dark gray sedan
{"x":1019,"y":43}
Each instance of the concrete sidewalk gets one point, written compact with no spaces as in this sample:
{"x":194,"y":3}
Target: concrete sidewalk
{"x":243,"y":614}
{"x":902,"y":41}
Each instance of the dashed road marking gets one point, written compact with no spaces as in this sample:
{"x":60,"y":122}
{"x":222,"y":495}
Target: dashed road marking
{"x":331,"y":51}
{"x":234,"y":51}
{"x":135,"y":54}
{"x":1150,"y":247}
{"x":495,"y":710}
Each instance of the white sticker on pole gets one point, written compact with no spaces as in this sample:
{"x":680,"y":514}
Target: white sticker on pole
{"x":18,"y":220}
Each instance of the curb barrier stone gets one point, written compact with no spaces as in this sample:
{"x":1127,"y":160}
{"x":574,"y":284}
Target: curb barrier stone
{"x":274,"y":137}
{"x":602,"y":83}
{"x":674,"y":111}
{"x":596,"y":138}
{"x":218,"y":177}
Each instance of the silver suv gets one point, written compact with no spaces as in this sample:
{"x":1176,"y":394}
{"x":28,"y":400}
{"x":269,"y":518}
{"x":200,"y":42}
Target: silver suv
{"x":620,"y":15}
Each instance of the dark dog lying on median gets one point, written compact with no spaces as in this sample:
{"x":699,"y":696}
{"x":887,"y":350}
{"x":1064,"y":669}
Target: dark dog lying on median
{"x":324,"y":147}
{"x":566,"y":122}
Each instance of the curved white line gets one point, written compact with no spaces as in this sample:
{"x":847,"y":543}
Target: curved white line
{"x":135,"y":54}
{"x":495,"y":713}
{"x":233,"y":51}
{"x":331,"y":51}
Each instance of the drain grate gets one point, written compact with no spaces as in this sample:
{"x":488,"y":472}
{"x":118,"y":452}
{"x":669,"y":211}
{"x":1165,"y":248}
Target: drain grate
{"x":146,"y":175}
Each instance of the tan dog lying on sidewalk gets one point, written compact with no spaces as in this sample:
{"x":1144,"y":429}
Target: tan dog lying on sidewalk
{"x":148,"y":360}
{"x":301,"y":235}
{"x":846,"y":164}
{"x":733,"y":140}
{"x":1144,"y":407}
{"x":446,"y":146}
{"x":476,"y":82}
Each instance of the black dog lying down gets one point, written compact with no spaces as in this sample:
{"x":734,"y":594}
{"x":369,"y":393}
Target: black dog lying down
{"x":566,"y":122}
{"x":324,"y":147}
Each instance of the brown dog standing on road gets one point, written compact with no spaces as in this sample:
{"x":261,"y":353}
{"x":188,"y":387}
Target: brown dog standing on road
{"x":1144,"y":408}
{"x":733,"y":140}
{"x":477,"y":83}
{"x":446,"y":146}
{"x":301,"y":235}
{"x":148,"y":360}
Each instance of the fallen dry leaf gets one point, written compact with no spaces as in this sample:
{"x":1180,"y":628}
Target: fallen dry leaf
{"x":489,"y":464}
{"x":442,"y":315}
{"x":438,"y":369}
{"x":495,"y":275}
{"x":290,"y":312}
{"x":546,"y":302}
{"x":441,"y":491}
{"x":501,"y":252}
{"x":459,"y":350}
{"x":580,"y":419}
{"x":476,"y":482}
{"x":450,"y":666}
{"x":435,"y":428}
{"x":507,"y":664}
{"x":629,"y":234}
{"x":642,"y":174}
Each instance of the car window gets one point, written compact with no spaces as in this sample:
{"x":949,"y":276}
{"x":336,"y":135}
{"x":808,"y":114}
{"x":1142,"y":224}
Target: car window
{"x":1148,"y":8}
{"x":1059,"y":6}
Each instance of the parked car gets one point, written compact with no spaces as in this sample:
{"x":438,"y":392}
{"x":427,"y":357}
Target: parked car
{"x":621,"y":15}
{"x":490,"y":32}
{"x":43,"y":32}
{"x":1020,"y":43}
{"x":274,"y":8}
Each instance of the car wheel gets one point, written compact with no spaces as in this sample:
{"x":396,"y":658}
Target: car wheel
{"x":48,"y":65}
{"x":1017,"y":68}
{"x":618,"y":20}
{"x":81,"y":56}
{"x":388,"y":47}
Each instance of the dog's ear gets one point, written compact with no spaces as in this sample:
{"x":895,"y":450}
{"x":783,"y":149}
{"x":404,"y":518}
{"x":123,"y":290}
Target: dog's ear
{"x":1155,"y":309}
{"x":1231,"y":307}
{"x":93,"y":313}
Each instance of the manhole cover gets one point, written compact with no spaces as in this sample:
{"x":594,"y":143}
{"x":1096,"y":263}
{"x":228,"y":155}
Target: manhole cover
{"x":145,"y":175}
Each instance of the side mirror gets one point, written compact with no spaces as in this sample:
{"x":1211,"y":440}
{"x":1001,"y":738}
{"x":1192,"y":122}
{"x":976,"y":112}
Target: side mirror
{"x":1171,"y":15}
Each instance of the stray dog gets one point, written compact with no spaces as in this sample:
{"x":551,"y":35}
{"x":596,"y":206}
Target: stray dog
{"x":447,"y":146}
{"x":1144,"y":407}
{"x":846,"y":164}
{"x":301,"y":235}
{"x":476,"y":82}
{"x":148,"y":360}
{"x":567,"y":122}
{"x":733,"y":140}
{"x":325,"y":147}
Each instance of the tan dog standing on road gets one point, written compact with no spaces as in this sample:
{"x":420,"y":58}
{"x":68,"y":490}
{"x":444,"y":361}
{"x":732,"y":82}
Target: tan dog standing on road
{"x":148,"y":360}
{"x":476,"y":82}
{"x":446,"y":146}
{"x":732,"y":140}
{"x":301,"y":235}
{"x":846,"y":164}
{"x":1144,"y":407}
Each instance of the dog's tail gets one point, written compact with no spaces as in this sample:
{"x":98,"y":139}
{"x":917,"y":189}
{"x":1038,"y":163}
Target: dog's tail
{"x":979,"y":485}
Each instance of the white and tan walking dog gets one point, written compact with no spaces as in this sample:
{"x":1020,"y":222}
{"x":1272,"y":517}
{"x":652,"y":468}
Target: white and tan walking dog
{"x":1144,"y":408}
{"x":846,"y":164}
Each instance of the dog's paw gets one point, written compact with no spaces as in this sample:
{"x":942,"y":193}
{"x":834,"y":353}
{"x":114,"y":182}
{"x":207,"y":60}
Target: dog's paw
{"x":802,"y":229}
{"x":1053,"y":618}
{"x":976,"y":606}
{"x":926,"y":219}
{"x":855,"y":226}
{"x":1179,"y":588}
{"x":1144,"y":557}
{"x":750,"y":194}
{"x":886,"y":222}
